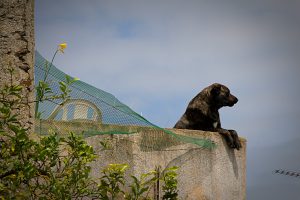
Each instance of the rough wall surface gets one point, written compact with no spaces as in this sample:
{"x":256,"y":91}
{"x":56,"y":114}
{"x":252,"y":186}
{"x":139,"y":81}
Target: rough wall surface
{"x":17,"y":50}
{"x":218,"y":174}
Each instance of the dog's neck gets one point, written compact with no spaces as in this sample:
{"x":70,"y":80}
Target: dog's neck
{"x":213,"y":106}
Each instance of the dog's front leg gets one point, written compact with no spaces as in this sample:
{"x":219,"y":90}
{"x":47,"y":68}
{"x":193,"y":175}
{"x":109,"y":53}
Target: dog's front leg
{"x":236,"y":140}
{"x":228,"y":136}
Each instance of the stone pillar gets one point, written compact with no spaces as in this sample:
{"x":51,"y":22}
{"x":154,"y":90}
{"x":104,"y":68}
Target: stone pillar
{"x":17,"y":50}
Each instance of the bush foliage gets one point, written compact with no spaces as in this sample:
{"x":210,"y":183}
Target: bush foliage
{"x":54,"y":167}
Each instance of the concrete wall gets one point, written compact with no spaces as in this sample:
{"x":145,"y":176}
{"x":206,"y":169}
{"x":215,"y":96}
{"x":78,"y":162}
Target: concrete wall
{"x":218,"y":174}
{"x":17,"y":49}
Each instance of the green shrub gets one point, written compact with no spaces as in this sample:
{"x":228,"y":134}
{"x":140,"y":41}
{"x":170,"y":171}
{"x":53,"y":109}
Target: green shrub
{"x":54,"y":167}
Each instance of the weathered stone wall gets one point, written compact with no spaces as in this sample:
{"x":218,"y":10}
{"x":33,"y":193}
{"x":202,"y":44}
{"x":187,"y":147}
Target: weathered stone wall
{"x":218,"y":174}
{"x":17,"y":49}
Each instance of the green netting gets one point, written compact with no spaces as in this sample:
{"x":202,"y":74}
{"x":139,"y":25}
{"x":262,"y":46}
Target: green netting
{"x":92,"y":111}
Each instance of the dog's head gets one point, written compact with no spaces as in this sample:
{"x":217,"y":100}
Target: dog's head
{"x":220,"y":96}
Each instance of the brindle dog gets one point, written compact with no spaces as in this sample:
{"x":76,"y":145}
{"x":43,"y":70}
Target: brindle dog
{"x":202,"y":113}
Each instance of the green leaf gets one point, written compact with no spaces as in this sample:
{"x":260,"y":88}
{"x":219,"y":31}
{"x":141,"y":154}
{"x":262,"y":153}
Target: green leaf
{"x":12,"y":148}
{"x":17,"y":88}
{"x":145,"y":189}
{"x":174,"y":168}
{"x":68,"y":79}
{"x":63,"y":86}
{"x":75,"y":79}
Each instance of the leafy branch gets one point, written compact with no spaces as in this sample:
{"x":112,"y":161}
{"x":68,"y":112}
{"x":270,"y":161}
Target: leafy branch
{"x":54,"y":167}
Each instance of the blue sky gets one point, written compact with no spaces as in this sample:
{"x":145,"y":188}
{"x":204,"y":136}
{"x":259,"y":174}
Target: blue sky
{"x":155,"y":56}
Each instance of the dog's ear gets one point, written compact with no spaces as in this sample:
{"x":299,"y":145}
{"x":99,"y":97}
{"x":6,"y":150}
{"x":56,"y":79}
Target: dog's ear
{"x":216,"y":89}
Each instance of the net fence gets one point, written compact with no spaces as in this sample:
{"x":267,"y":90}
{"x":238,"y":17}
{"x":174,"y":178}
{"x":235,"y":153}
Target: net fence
{"x":91,"y":111}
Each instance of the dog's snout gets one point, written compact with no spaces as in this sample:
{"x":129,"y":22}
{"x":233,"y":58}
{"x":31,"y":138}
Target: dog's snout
{"x":235,"y":99}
